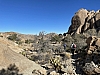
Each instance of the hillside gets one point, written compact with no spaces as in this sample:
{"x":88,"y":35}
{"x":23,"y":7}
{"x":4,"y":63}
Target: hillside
{"x":50,"y":54}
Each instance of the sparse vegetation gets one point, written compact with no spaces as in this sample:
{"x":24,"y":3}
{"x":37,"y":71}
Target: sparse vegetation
{"x":28,"y":41}
{"x":56,"y":39}
{"x":19,"y":42}
{"x":13,"y":37}
{"x":11,"y":70}
{"x":79,"y":40}
{"x":56,"y":63}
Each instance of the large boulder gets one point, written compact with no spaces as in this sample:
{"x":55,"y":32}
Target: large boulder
{"x":90,"y":40}
{"x":84,"y":20}
{"x":93,"y":43}
{"x":98,"y":42}
{"x":25,"y":66}
{"x":91,"y":69}
{"x":78,"y":21}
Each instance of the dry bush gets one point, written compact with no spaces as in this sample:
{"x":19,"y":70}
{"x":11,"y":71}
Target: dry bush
{"x":11,"y":70}
{"x":67,"y":55}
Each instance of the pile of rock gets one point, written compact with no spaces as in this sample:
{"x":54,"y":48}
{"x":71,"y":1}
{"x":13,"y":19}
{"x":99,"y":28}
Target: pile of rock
{"x":91,"y":68}
{"x":92,"y":61}
{"x":93,"y":45}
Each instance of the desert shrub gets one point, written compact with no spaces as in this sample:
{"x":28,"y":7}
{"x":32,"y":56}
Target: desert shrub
{"x":19,"y":42}
{"x":1,"y":36}
{"x":36,"y":72}
{"x":56,"y":39}
{"x":37,"y":57}
{"x":91,"y":32}
{"x":14,"y":37}
{"x":43,"y":47}
{"x":11,"y":70}
{"x":47,"y":57}
{"x":68,"y":39}
{"x":67,"y":56}
{"x":41,"y":58}
{"x":24,"y":53}
{"x":42,"y":33}
{"x":64,"y":34}
{"x":56,"y":63}
{"x":28,"y":41}
{"x":58,"y":49}
{"x":79,"y":40}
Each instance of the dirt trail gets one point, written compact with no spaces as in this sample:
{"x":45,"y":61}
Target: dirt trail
{"x":71,"y":67}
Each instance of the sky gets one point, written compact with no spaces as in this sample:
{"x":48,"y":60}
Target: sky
{"x":34,"y":16}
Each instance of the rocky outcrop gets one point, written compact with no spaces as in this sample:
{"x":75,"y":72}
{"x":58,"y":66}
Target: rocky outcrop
{"x":91,"y":68}
{"x":92,"y":61}
{"x":84,"y":20}
{"x":93,"y":44}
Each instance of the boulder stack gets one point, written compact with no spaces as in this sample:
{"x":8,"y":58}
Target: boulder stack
{"x":84,"y":20}
{"x":92,"y":62}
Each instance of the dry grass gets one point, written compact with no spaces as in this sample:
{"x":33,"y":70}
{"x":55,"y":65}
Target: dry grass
{"x":68,"y":55}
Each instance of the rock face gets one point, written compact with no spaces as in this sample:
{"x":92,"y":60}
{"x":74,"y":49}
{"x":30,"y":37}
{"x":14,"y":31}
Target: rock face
{"x":84,"y":20}
{"x":91,"y":68}
{"x":8,"y":56}
{"x":92,"y":62}
{"x":93,"y":44}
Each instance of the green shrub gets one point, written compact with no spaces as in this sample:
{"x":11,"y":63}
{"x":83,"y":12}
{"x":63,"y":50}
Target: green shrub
{"x":28,"y":41}
{"x":19,"y":42}
{"x":13,"y":37}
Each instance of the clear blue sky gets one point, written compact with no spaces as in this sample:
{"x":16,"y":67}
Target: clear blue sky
{"x":33,"y":16}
